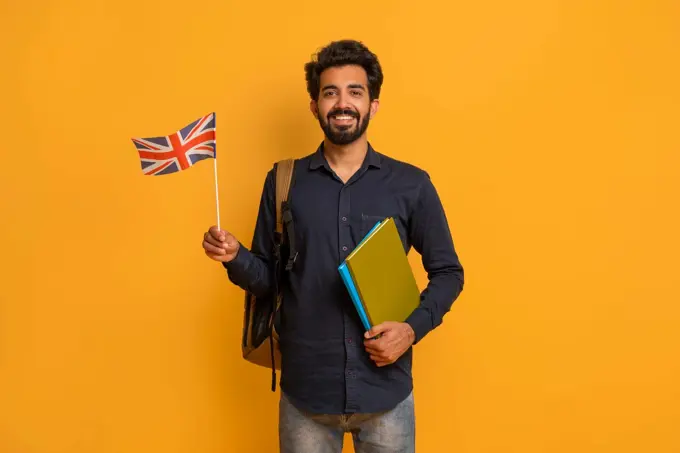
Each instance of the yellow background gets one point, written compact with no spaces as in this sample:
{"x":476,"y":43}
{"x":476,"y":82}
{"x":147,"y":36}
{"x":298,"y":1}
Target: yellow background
{"x":549,"y":127}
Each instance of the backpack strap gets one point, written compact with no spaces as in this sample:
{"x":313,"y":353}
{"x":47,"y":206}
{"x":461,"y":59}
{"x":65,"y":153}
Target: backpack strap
{"x":284,"y":176}
{"x":284,"y":218}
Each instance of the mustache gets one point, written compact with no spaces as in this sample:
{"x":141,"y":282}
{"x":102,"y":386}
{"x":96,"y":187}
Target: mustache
{"x":347,"y":112}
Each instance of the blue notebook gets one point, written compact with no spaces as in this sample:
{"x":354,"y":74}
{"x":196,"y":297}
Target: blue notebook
{"x":347,"y":278}
{"x":349,"y":283}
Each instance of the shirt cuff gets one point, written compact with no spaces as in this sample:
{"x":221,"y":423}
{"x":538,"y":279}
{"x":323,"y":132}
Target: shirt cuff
{"x":240,"y":262}
{"x":420,"y":322}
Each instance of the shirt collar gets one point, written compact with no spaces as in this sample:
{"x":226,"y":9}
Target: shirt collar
{"x":318,"y":159}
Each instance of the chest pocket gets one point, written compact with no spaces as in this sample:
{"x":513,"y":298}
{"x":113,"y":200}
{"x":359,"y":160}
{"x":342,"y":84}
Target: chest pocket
{"x":368,"y":221}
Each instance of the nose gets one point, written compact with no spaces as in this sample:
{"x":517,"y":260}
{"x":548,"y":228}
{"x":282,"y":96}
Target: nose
{"x":342,"y":102}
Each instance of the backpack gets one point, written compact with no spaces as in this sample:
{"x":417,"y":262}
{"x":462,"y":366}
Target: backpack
{"x":260,"y":342}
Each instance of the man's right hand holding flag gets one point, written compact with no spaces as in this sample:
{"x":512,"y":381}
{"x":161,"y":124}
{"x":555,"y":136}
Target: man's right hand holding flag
{"x":220,"y":245}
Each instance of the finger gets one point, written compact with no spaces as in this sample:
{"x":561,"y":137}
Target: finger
{"x":378,"y":358}
{"x":210,"y":239}
{"x":375,"y":351}
{"x":377,"y":330}
{"x":380,"y":351}
{"x":220,"y":258}
{"x":230,"y":243}
{"x":379,"y":361}
{"x":380,"y":342}
{"x":215,"y":250}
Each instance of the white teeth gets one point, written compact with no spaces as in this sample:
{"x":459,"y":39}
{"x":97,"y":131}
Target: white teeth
{"x":343,"y":118}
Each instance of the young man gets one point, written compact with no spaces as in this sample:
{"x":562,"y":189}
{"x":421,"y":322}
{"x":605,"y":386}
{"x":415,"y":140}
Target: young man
{"x":335,"y":377}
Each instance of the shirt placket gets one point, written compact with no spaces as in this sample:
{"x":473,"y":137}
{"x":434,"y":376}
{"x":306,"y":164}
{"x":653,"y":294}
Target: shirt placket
{"x":351,"y":351}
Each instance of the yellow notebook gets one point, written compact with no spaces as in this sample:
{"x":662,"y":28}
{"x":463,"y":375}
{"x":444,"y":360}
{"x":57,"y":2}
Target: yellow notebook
{"x":382,"y":276}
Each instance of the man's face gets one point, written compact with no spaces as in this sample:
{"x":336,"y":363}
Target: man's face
{"x":344,"y":106}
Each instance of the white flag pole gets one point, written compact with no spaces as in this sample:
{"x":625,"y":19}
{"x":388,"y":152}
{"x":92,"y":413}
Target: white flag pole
{"x":217,"y":193}
{"x":217,"y":196}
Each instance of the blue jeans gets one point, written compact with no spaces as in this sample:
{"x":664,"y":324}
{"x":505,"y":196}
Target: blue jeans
{"x":386,"y":432}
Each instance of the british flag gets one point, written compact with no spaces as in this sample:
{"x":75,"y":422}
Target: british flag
{"x":180,"y":150}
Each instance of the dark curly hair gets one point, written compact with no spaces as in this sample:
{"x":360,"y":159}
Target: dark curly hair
{"x":341,"y":53}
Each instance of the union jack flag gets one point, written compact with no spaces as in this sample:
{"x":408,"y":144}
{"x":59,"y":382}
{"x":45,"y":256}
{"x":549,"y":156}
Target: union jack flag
{"x":180,"y":150}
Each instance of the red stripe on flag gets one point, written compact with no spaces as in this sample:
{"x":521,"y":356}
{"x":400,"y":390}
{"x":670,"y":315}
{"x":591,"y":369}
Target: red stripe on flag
{"x":179,"y":151}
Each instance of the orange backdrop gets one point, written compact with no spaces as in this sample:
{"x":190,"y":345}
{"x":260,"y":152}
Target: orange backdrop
{"x":549,"y":127}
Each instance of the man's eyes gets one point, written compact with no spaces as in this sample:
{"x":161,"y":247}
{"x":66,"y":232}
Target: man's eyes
{"x":356,"y":93}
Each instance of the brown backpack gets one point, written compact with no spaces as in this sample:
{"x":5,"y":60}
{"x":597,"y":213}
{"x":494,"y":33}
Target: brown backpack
{"x":260,"y":342}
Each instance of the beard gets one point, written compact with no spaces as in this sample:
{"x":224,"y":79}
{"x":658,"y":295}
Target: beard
{"x":344,"y":135}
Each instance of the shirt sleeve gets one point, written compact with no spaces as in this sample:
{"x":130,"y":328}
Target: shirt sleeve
{"x":431,"y":238}
{"x":251,"y":268}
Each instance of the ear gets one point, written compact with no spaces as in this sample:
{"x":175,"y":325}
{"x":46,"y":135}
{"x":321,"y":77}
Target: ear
{"x":375,"y":104}
{"x":314,"y":108}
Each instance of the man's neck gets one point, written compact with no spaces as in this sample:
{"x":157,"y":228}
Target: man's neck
{"x":345,"y":160}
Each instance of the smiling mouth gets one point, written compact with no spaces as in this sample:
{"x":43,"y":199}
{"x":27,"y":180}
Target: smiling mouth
{"x":342,"y":117}
{"x":342,"y":120}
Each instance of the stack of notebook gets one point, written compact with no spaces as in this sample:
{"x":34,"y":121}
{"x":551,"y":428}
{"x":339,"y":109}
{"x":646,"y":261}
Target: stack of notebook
{"x":379,"y":278}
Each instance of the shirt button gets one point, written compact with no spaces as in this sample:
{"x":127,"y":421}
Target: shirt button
{"x":344,"y":248}
{"x":344,"y":219}
{"x":349,"y":340}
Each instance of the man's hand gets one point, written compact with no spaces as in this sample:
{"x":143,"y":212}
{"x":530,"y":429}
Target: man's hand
{"x":395,"y":339}
{"x":220,"y":245}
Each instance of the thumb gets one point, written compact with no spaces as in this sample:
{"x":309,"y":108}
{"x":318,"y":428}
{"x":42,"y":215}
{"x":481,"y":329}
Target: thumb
{"x":377,"y":330}
{"x":217,"y":233}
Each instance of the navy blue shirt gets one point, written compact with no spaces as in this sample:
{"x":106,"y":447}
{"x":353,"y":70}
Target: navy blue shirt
{"x":324,"y":366}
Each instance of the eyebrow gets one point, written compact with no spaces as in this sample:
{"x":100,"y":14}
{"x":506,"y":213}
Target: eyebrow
{"x":353,"y":85}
